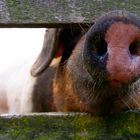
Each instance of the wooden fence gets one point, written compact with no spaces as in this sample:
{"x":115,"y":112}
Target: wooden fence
{"x":67,"y":126}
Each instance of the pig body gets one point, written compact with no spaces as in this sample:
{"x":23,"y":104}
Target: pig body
{"x":98,"y":72}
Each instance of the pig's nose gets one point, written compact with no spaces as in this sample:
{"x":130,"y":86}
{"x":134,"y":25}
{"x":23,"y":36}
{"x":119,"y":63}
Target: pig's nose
{"x":101,"y":48}
{"x":134,"y":49}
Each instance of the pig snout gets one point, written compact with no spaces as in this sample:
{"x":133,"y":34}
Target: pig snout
{"x":114,"y":49}
{"x":123,"y":48}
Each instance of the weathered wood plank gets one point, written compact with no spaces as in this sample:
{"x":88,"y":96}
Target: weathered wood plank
{"x":49,"y":13}
{"x":70,"y":126}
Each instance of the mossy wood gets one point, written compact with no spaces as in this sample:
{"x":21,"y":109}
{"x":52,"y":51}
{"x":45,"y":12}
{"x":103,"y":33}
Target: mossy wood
{"x":52,"y":13}
{"x":57,"y":13}
{"x":70,"y":126}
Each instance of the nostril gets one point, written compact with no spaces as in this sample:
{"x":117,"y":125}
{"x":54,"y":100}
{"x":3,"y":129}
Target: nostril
{"x":101,"y":48}
{"x":134,"y":48}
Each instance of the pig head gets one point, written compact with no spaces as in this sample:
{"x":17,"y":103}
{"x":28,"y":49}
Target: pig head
{"x":99,"y":69}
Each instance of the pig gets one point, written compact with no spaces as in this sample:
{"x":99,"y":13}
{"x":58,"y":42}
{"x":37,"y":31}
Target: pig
{"x":98,"y":70}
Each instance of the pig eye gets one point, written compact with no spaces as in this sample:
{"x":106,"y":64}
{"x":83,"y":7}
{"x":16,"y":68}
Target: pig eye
{"x":101,"y":47}
{"x":134,"y":48}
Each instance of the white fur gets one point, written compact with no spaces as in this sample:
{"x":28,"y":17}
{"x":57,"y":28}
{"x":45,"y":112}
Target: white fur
{"x":18,"y":84}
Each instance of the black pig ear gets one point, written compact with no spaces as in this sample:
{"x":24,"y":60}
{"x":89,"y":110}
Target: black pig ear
{"x":57,"y":42}
{"x":48,"y":52}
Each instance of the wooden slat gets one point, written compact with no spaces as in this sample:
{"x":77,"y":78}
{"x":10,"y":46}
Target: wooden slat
{"x":51,"y":13}
{"x":70,"y":126}
{"x":56,"y":13}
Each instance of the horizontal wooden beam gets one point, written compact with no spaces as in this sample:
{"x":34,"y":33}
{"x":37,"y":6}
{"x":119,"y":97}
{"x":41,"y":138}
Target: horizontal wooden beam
{"x":51,"y":13}
{"x":70,"y":126}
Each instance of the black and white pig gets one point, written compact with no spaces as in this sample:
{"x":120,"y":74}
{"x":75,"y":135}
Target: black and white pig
{"x":94,"y":69}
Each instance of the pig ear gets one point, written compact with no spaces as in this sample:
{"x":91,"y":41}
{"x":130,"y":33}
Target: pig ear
{"x":57,"y":42}
{"x":49,"y":51}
